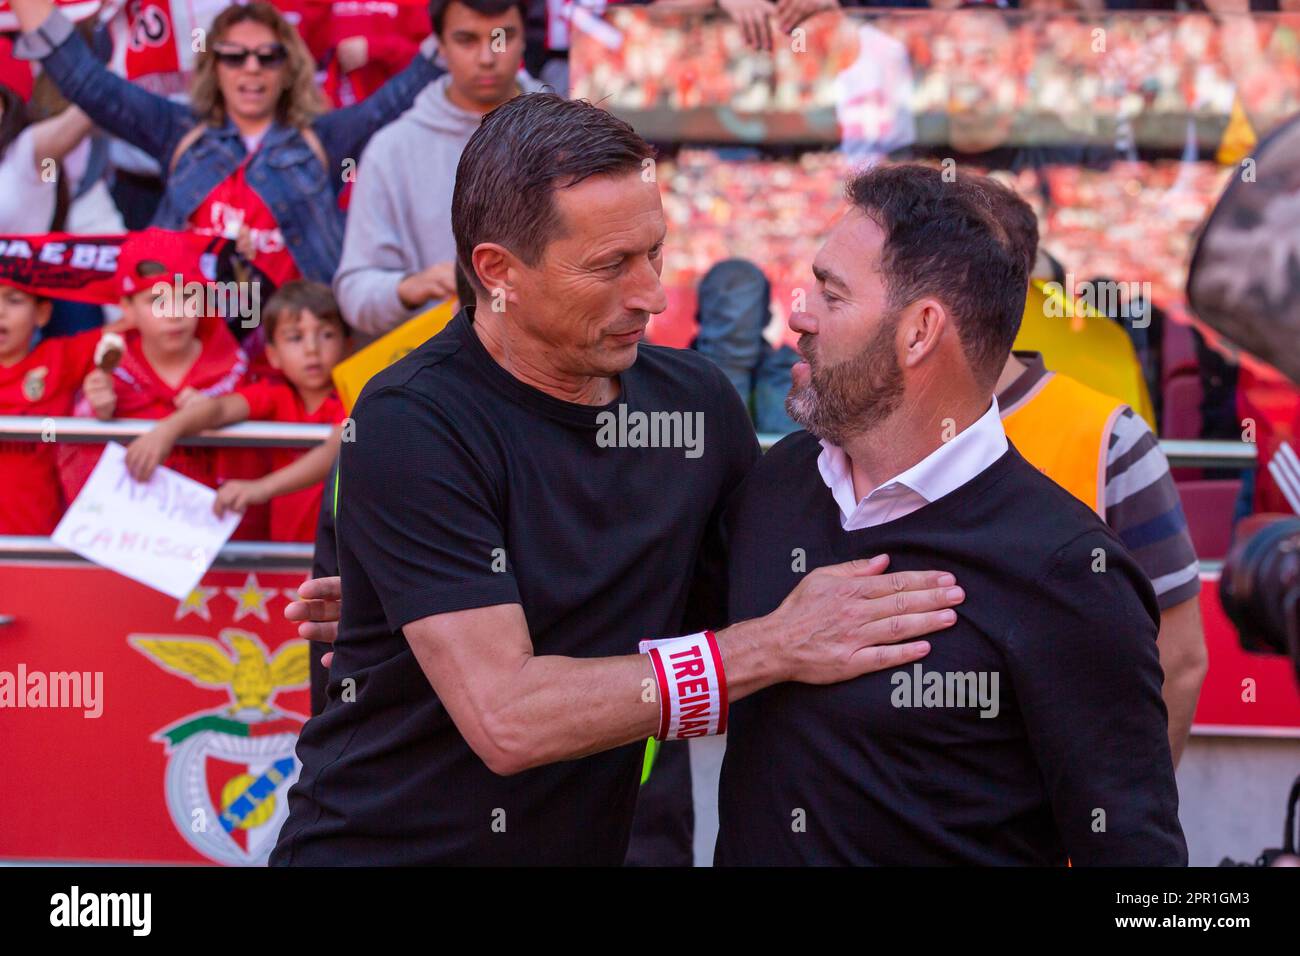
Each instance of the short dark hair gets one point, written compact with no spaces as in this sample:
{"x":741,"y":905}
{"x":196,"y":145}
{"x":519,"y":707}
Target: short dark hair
{"x":1017,"y":217}
{"x":464,"y":288}
{"x":293,"y":297}
{"x":945,"y":237}
{"x":487,"y":8}
{"x":524,"y":151}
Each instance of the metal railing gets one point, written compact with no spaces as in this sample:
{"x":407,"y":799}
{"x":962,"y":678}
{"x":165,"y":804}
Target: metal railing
{"x":253,"y":555}
{"x":294,"y":556}
{"x":91,"y":431}
{"x":1187,"y":454}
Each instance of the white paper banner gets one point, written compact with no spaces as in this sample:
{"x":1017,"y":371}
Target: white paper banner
{"x":161,"y":533}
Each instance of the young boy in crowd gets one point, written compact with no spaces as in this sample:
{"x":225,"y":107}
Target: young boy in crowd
{"x":40,"y":381}
{"x":172,"y":356}
{"x":306,"y":338}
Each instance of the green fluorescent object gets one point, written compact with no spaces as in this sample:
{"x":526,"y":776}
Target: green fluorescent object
{"x":651,"y":751}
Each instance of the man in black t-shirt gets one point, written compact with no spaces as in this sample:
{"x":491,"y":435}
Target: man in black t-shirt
{"x":1035,"y":731}
{"x":531,"y":494}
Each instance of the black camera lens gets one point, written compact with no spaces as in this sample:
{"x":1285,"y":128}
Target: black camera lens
{"x":1260,"y":589}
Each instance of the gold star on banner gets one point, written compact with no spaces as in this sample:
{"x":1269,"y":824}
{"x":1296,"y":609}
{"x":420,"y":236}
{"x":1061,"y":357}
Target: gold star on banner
{"x":251,"y":599}
{"x":196,"y":602}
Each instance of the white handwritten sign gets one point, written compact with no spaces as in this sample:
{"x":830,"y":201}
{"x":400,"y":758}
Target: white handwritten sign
{"x":161,"y":532}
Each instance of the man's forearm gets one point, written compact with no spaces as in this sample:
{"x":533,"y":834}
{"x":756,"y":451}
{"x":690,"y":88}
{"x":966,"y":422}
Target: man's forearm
{"x":560,"y":708}
{"x":517,"y":709}
{"x":1184,"y":661}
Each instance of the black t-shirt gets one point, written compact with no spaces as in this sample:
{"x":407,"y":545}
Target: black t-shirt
{"x":467,"y":488}
{"x":324,"y":564}
{"x":1071,"y":761}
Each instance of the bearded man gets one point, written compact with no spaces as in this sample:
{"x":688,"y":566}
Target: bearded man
{"x":1034,"y":732}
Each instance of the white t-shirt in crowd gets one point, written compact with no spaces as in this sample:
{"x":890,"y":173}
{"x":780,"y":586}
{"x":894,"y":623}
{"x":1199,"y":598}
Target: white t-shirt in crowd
{"x":27,"y":199}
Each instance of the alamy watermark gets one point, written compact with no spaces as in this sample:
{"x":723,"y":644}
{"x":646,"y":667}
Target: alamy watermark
{"x":74,"y":690}
{"x":651,"y":430}
{"x":922,"y":688}
{"x":1130,"y":301}
{"x":223,"y":300}
{"x":133,"y":911}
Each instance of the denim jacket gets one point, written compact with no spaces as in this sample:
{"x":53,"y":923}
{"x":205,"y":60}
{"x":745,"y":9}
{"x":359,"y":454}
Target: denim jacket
{"x":285,"y":173}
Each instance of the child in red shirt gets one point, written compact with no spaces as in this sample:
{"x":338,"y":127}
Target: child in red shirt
{"x":306,"y":338}
{"x":40,"y":381}
{"x":172,"y":356}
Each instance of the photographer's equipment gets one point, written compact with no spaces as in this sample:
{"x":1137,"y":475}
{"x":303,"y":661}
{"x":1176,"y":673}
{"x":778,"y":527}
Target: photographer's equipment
{"x":1244,"y":280}
{"x":1286,"y":854}
{"x":1260,"y":589}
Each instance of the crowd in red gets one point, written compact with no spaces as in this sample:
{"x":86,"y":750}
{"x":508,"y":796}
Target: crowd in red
{"x":359,"y":62}
{"x":180,"y":363}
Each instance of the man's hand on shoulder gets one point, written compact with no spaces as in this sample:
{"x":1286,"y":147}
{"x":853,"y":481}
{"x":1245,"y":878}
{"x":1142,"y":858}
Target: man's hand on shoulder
{"x":317,"y":611}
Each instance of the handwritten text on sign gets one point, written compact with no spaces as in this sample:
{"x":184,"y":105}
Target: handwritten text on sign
{"x":161,"y":532}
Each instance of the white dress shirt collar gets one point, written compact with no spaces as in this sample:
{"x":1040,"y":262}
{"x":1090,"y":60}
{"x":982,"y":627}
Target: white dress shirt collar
{"x":945,"y":469}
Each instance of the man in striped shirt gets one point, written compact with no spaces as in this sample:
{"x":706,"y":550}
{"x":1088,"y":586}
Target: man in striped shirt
{"x":1061,"y":426}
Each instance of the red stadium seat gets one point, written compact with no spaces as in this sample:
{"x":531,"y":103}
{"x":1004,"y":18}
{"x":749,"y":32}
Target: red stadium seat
{"x":1177,"y":351}
{"x":1208,"y":505}
{"x":1182,"y":410}
{"x":1181,"y":415}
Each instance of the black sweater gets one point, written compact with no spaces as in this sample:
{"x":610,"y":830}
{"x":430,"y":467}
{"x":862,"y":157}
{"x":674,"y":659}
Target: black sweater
{"x":1072,"y":758}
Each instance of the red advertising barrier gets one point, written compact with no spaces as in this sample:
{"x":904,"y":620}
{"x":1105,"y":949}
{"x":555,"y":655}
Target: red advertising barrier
{"x":174,"y":740}
{"x":1246,"y":694}
{"x":170,"y":735}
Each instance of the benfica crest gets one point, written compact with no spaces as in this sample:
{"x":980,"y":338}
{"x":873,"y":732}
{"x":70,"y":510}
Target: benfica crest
{"x":34,"y":384}
{"x":229,"y":769}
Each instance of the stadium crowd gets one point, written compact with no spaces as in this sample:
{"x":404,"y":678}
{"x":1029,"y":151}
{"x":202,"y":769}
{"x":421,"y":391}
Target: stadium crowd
{"x":308,"y":149}
{"x":303,"y":154}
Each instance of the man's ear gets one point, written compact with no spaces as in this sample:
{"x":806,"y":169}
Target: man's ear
{"x":498,"y":270}
{"x":923,"y":324}
{"x":44,"y":309}
{"x":273,"y":357}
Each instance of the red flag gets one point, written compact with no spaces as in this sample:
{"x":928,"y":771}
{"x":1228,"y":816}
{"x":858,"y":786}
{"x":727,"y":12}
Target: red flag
{"x":150,"y":38}
{"x":62,"y":266}
{"x":14,"y":73}
{"x":59,"y":265}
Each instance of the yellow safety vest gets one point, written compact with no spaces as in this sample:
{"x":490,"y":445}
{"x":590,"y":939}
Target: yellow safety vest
{"x":1084,"y":345}
{"x":1062,"y":428}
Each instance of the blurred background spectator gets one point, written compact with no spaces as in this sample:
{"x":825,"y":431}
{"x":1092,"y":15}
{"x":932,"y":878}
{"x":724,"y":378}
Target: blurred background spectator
{"x":399,"y":256}
{"x":255,"y":158}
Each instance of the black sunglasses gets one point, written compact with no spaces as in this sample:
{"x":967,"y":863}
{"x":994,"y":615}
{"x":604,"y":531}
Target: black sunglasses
{"x":267,"y":56}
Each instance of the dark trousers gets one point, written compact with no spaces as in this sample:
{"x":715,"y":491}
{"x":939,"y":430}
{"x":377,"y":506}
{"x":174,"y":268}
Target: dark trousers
{"x":663,"y":831}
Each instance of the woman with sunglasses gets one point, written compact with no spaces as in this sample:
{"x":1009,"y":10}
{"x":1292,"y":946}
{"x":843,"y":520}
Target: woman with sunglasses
{"x":255,"y":156}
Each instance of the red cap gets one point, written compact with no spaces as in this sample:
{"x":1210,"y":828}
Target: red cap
{"x":180,"y":253}
{"x":14,"y":73}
